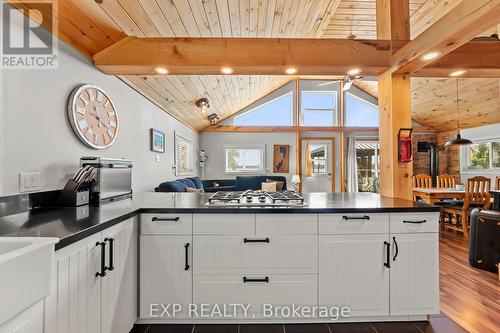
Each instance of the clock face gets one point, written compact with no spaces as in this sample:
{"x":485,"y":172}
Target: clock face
{"x":93,"y":116}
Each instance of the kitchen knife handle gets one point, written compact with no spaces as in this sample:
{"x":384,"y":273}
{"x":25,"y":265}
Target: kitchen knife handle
{"x":102,"y":273}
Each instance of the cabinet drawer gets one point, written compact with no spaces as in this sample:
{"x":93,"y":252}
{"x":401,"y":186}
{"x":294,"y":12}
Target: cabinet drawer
{"x":278,"y":290}
{"x":286,"y":224}
{"x":169,"y":224}
{"x":414,"y":222}
{"x":234,"y":255}
{"x":224,"y":224}
{"x":353,"y":223}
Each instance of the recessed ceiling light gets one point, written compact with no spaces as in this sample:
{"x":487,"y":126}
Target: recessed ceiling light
{"x":459,"y":72}
{"x":291,"y":70}
{"x":431,"y":55}
{"x":354,"y":71}
{"x":226,"y":70}
{"x":161,"y":70}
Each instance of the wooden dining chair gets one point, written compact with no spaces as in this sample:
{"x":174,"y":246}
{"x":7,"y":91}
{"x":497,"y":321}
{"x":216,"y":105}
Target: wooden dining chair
{"x":422,"y":180}
{"x":445,"y":181}
{"x":477,"y":194}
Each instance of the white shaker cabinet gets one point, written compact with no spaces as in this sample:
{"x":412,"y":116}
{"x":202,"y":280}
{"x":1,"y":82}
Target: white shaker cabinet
{"x":81,"y":300}
{"x":353,"y":272}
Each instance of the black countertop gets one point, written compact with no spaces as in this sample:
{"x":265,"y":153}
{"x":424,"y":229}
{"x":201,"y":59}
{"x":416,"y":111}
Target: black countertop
{"x":73,"y":224}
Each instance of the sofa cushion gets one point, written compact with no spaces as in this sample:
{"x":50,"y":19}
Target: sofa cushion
{"x":244,"y":183}
{"x":279,"y":184}
{"x":197,"y":182}
{"x":188,"y":182}
{"x":220,"y":188}
{"x":172,"y":186}
{"x":275,"y":178}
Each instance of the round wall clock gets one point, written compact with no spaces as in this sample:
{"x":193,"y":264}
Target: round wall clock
{"x":93,"y":116}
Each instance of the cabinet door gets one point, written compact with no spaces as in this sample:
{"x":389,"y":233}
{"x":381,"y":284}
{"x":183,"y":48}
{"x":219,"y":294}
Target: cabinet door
{"x":164,"y":277}
{"x":119,"y":286}
{"x":74,"y":304}
{"x":352,"y":273}
{"x":415,"y":274}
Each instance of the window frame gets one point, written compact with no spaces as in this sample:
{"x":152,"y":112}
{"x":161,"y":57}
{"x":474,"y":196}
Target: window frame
{"x":261,"y":147}
{"x":264,"y":104}
{"x":335,"y":111}
{"x":466,"y":157}
{"x":191,"y":162}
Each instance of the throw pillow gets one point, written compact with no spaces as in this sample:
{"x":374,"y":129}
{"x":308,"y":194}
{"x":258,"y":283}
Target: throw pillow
{"x":194,"y":190}
{"x":269,"y":187}
{"x":279,"y":184}
{"x":215,"y":184}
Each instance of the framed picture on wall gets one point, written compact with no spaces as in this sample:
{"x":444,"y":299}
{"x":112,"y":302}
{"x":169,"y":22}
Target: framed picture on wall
{"x":281,"y":159}
{"x":157,"y":139}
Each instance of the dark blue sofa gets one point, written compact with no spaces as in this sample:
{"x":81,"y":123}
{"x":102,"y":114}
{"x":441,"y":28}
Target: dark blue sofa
{"x":241,"y":183}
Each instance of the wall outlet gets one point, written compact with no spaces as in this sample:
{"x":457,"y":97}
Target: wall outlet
{"x":157,"y":157}
{"x":29,"y":181}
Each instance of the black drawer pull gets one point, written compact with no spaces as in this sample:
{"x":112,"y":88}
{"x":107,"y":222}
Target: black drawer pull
{"x":245,"y":280}
{"x":388,"y":254}
{"x":186,"y":265}
{"x":102,"y":273}
{"x":165,"y":219}
{"x":415,"y":222}
{"x":111,"y":247}
{"x":265,"y":240}
{"x":364,"y":217}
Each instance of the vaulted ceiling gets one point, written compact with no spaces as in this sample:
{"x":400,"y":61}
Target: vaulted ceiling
{"x":90,"y":26}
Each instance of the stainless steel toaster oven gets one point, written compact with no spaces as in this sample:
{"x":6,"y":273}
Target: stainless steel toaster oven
{"x":114,"y":178}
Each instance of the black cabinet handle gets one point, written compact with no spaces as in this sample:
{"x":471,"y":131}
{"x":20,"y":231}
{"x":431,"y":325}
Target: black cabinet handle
{"x":245,"y":280}
{"x":102,"y":273}
{"x":165,"y":219}
{"x":111,"y":249}
{"x":388,"y":254}
{"x":265,"y":240}
{"x":415,"y":222}
{"x":364,"y":217}
{"x":397,"y":249}
{"x":186,"y":265}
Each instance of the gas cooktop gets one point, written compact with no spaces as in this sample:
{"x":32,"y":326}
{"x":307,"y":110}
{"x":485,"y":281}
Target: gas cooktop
{"x":256,"y":199}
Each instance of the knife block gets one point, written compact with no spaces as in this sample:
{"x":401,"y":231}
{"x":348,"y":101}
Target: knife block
{"x":70,"y":196}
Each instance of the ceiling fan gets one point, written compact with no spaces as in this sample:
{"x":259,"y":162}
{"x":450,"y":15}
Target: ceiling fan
{"x":348,"y":81}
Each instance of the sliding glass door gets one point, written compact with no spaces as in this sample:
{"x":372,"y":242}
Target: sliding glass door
{"x":368,"y":166}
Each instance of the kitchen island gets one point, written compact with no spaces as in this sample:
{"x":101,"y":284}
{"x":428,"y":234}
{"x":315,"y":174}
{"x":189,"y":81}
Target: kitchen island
{"x":371,"y":257}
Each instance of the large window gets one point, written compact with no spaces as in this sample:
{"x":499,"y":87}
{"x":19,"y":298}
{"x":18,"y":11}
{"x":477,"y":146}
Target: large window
{"x":360,"y":113}
{"x":276,"y":112}
{"x":244,"y":158}
{"x":184,"y":156}
{"x":368,"y":166}
{"x":484,"y":155}
{"x":318,"y":108}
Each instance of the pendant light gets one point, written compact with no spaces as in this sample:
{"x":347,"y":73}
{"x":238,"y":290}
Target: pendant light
{"x":458,"y":140}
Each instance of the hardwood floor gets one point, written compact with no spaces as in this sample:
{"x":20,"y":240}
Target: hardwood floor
{"x":469,"y":296}
{"x":470,"y":301}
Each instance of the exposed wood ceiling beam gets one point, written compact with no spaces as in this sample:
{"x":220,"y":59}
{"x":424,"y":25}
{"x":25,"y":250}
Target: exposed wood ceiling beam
{"x":467,"y":20}
{"x":480,"y":59}
{"x":206,"y":56}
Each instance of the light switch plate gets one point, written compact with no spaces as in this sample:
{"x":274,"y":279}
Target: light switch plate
{"x":29,"y":181}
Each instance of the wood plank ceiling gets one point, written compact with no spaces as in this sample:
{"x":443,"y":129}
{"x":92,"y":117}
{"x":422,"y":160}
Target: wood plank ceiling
{"x":90,"y":26}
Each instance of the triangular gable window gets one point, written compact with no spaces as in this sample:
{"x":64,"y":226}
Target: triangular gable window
{"x":276,"y":112}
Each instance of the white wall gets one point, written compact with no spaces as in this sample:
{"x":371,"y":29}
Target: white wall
{"x":478,"y":134}
{"x":36,"y":136}
{"x":213,"y":144}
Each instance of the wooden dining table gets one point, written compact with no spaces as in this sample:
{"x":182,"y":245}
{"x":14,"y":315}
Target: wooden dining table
{"x":433,"y":194}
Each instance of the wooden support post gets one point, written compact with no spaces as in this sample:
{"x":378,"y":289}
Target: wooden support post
{"x":394,"y":103}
